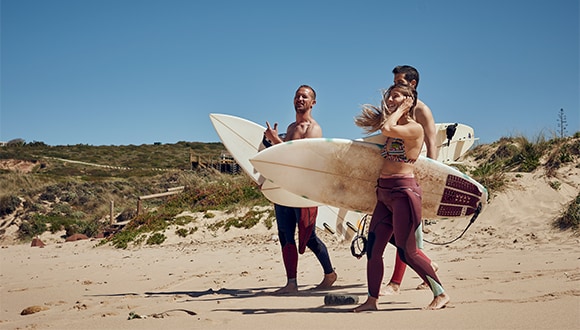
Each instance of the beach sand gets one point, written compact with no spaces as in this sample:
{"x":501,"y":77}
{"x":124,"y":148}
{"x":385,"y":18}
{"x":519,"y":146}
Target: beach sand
{"x":511,"y":270}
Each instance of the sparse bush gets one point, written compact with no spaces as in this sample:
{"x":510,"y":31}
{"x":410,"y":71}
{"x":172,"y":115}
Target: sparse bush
{"x":527,"y":159}
{"x":570,"y":217}
{"x":504,"y":152}
{"x":555,"y":185}
{"x":183,"y":220}
{"x":90,"y":228}
{"x":30,"y":228}
{"x":270,"y":219}
{"x":122,"y":239}
{"x":490,"y":175}
{"x":156,"y":239}
{"x":247,"y":221}
{"x":9,"y":204}
{"x":182,"y":232}
{"x":562,"y":151}
{"x":126,"y":214}
{"x":16,"y":142}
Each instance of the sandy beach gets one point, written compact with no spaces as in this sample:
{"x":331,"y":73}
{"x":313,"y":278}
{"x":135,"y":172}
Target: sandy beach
{"x":511,"y":270}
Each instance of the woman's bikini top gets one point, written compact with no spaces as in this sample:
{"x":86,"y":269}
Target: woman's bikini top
{"x":394,"y":150}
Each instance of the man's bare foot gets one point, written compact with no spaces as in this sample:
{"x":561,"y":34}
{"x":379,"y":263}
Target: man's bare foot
{"x":391,"y":289}
{"x":327,"y":281}
{"x":369,"y":305}
{"x":424,"y":285}
{"x":438,"y":302}
{"x":289,"y":288}
{"x":435,"y":266}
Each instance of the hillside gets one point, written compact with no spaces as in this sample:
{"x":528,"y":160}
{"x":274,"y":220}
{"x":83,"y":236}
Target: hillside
{"x":70,"y":188}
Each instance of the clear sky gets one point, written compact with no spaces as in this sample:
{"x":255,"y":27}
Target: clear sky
{"x":120,"y":72}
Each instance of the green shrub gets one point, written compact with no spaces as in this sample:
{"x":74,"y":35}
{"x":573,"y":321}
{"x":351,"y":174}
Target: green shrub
{"x":9,"y":204}
{"x":555,"y":185}
{"x":562,"y":151}
{"x":490,"y":175}
{"x":183,"y":220}
{"x":528,"y":157}
{"x":31,"y":228}
{"x":156,"y":239}
{"x":90,"y":228}
{"x":182,"y":232}
{"x":570,"y":217}
{"x":122,"y":239}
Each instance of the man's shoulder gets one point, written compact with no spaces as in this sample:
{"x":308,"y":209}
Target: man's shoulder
{"x":424,"y":116}
{"x":421,"y":104}
{"x":422,"y":108}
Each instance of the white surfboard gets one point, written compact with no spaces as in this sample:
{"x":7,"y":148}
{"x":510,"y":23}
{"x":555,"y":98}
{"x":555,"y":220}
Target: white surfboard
{"x":277,"y":195}
{"x":345,"y":174}
{"x":453,"y":140}
{"x":244,"y":139}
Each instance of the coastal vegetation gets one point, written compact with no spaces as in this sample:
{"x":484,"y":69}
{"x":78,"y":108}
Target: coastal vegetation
{"x":77,"y":188}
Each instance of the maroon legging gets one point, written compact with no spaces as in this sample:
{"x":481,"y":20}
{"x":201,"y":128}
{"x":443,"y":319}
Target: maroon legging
{"x":398,"y":213}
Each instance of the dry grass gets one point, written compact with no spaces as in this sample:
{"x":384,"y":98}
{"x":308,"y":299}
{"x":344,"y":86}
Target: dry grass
{"x":54,"y":195}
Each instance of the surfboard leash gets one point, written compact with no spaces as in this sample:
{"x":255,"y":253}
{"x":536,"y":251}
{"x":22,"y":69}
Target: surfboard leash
{"x":358,"y":246}
{"x":471,"y":221}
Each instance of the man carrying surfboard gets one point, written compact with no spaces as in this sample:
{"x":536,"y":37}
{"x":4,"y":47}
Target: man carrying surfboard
{"x":408,"y":75}
{"x":288,"y":217}
{"x":398,"y":209}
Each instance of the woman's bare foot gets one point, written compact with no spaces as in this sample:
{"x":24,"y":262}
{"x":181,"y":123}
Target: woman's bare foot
{"x":438,"y":302}
{"x":327,"y":281}
{"x":369,"y":305}
{"x":391,"y":289}
{"x":289,"y":288}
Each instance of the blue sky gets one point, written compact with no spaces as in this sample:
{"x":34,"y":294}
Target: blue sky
{"x":120,"y":72}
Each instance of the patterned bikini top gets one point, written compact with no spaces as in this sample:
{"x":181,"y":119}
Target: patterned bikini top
{"x":394,"y":150}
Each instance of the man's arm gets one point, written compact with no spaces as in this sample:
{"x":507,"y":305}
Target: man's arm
{"x":424,"y":116}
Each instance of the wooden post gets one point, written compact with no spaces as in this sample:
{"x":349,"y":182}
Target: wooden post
{"x":170,"y":191}
{"x":112,"y":207}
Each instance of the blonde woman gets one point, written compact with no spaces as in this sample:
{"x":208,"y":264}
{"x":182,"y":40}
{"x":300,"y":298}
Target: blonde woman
{"x":397,"y":213}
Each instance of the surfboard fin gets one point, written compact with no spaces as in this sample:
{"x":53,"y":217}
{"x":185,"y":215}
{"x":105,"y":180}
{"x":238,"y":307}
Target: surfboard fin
{"x":450,"y":131}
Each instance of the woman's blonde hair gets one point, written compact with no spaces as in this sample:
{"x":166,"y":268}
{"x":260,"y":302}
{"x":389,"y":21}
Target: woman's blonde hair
{"x":372,"y":118}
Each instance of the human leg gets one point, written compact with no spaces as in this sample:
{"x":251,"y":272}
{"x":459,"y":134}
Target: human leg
{"x":380,"y":230}
{"x":286,"y":222}
{"x":393,"y":287}
{"x":321,"y":252}
{"x":406,"y":222}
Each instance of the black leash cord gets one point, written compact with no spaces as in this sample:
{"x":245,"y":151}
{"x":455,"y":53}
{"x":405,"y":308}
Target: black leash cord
{"x":359,"y":241}
{"x":471,"y":221}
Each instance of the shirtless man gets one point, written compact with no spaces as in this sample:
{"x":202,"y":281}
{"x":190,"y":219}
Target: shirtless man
{"x":287,"y":218}
{"x":406,"y":74}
